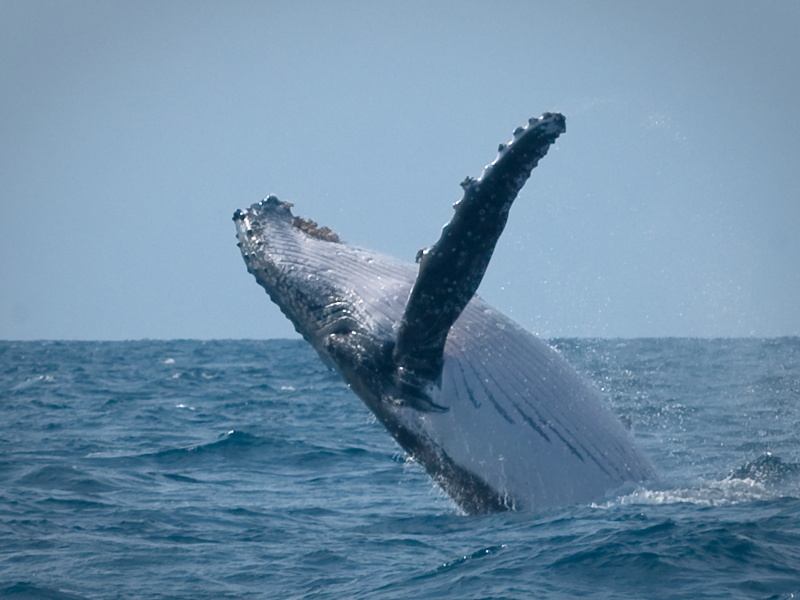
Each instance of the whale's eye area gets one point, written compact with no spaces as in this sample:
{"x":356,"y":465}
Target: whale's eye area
{"x":342,"y":327}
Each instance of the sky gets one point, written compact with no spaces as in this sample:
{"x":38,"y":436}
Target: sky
{"x":131,"y":131}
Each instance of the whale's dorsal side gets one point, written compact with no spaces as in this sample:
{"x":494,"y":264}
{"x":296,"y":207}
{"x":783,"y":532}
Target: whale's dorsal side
{"x":452,"y":269}
{"x":497,"y":417}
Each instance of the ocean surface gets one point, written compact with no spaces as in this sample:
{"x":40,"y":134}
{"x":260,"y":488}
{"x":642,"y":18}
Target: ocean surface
{"x":246,"y":469}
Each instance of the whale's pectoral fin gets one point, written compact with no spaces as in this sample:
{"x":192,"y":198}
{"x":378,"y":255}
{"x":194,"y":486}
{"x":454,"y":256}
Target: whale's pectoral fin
{"x":451,"y":270}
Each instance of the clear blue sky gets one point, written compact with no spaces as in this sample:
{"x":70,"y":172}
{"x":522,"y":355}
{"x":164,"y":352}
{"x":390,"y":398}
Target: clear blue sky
{"x":130,"y":131}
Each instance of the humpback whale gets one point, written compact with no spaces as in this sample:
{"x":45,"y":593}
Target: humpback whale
{"x":496,"y":416}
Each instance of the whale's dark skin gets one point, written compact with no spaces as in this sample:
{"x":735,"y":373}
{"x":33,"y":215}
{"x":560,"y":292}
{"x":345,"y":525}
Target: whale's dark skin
{"x":496,"y":417}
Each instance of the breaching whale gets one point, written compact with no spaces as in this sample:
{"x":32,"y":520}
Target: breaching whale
{"x":497,"y":417}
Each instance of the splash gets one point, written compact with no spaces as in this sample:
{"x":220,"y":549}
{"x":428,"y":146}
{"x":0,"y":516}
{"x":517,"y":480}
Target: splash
{"x":765,"y":478}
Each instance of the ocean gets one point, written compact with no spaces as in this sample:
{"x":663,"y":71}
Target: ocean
{"x":246,"y":469}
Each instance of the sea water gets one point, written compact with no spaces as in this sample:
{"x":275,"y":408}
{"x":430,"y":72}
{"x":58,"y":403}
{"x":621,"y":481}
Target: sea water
{"x":246,"y":469}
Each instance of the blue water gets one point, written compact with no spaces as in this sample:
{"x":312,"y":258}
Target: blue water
{"x":245,"y":469}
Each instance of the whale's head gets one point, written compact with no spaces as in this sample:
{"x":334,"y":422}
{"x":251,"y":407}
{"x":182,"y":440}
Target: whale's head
{"x":289,"y":258}
{"x":339,"y":298}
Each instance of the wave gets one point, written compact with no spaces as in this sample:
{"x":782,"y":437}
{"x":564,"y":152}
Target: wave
{"x":63,"y":478}
{"x":29,"y":591}
{"x":240,"y":447}
{"x":231,"y":444}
